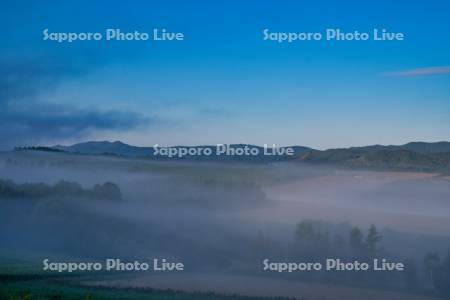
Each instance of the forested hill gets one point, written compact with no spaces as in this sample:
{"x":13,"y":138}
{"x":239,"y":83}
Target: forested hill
{"x":417,"y":156}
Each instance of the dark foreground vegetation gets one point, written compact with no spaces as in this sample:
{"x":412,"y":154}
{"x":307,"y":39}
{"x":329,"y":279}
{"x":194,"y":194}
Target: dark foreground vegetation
{"x":11,"y":190}
{"x":51,"y":290}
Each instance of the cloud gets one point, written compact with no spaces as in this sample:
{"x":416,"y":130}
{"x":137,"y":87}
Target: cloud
{"x":39,"y":121}
{"x":25,"y":121}
{"x":420,"y":72}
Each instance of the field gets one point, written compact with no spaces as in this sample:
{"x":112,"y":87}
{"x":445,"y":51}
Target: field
{"x":220,"y":220}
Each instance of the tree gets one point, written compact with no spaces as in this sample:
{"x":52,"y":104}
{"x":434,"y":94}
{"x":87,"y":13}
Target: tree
{"x":431,"y":261}
{"x":411,"y":277}
{"x":108,"y":190}
{"x":373,"y":237}
{"x":441,"y":278}
{"x":304,"y":232}
{"x":262,"y":245}
{"x":311,"y":240}
{"x":356,"y":241}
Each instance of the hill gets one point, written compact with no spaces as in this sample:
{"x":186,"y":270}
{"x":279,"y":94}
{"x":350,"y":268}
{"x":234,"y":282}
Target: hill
{"x":417,"y":156}
{"x":382,"y":158}
{"x":122,"y":149}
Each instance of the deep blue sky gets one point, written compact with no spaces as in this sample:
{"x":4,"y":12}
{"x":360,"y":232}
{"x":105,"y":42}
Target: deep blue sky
{"x":224,"y":84}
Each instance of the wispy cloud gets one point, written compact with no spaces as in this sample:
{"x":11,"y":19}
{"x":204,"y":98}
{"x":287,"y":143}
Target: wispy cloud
{"x":25,"y":121}
{"x":420,"y":71}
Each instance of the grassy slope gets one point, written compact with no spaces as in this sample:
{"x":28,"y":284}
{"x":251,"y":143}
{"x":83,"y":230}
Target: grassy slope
{"x":24,"y":280}
{"x":48,"y":290}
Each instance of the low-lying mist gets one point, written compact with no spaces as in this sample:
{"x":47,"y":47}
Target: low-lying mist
{"x":226,"y":217}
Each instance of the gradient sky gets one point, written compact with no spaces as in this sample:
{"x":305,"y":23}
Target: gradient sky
{"x":224,"y":84}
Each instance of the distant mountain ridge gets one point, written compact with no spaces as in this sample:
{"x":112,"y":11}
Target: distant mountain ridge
{"x":120,"y":148}
{"x":106,"y":147}
{"x":384,"y":157}
{"x":419,"y":147}
{"x":421,"y":156}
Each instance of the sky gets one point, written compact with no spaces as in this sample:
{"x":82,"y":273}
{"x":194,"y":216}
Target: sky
{"x":223,"y":83}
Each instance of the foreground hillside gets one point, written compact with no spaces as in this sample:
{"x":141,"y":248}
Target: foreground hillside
{"x":221,"y":220}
